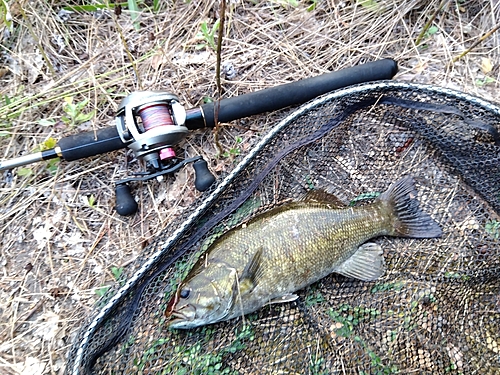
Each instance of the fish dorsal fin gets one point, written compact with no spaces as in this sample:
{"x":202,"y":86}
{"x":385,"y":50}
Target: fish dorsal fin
{"x":251,"y":273}
{"x":366,"y":264}
{"x":322,"y":197}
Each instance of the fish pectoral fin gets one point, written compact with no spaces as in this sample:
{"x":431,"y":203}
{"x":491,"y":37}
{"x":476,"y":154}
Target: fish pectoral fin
{"x":285,"y":298}
{"x":251,"y":273}
{"x":366,"y":264}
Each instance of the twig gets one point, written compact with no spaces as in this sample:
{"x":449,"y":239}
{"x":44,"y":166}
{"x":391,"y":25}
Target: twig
{"x":475,"y":44}
{"x":37,"y":39}
{"x":127,"y":50}
{"x":429,"y":23}
{"x":217,"y":75}
{"x":28,"y":314}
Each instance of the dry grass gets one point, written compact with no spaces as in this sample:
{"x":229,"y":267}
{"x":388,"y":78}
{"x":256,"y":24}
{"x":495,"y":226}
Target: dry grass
{"x":57,"y":249}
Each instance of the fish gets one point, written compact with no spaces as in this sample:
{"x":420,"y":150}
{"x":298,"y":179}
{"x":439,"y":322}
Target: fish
{"x":285,"y":249}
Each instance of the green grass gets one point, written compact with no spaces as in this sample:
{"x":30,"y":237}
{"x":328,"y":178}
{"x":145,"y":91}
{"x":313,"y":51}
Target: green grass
{"x":350,"y":317}
{"x":314,"y":297}
{"x":195,"y":358}
{"x":207,"y":34}
{"x":493,"y":228}
{"x":75,"y":112}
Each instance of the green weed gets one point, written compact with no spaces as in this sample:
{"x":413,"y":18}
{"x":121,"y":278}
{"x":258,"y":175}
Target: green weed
{"x":48,"y":144}
{"x":309,"y":182}
{"x":456,"y":275}
{"x":102,"y":290}
{"x":314,"y":298}
{"x":431,"y":31}
{"x":493,"y":228}
{"x":74,"y":112}
{"x":91,"y":200}
{"x":371,"y":5}
{"x":387,"y":286}
{"x":235,"y":150}
{"x":116,"y":271}
{"x":350,"y":317}
{"x":194,"y":359}
{"x":316,"y":364}
{"x":52,"y":164}
{"x":485,"y":81}
{"x":5,"y":15}
{"x":312,"y":6}
{"x":22,"y":172}
{"x":208,"y":35}
{"x":135,"y":13}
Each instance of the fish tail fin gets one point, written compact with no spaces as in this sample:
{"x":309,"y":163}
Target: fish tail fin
{"x":409,"y":219}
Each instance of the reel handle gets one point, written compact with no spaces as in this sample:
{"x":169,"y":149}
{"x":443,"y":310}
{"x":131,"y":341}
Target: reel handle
{"x":203,"y":177}
{"x":125,"y":202}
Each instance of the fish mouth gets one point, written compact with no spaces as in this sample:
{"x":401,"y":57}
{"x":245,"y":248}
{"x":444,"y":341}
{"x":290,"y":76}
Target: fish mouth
{"x":177,"y":316}
{"x":180,"y":321}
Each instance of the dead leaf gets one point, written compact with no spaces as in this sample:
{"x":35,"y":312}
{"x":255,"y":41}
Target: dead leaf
{"x":32,"y":366}
{"x":421,"y":66}
{"x":3,"y":72}
{"x":48,"y":325}
{"x":486,"y":65}
{"x":157,"y":61}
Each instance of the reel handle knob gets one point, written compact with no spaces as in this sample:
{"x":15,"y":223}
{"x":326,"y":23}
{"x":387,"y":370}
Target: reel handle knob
{"x":203,"y":178}
{"x":125,"y":202}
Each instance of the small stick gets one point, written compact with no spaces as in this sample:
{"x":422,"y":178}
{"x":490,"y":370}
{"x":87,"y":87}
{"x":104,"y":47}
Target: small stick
{"x":217,"y":75}
{"x":429,"y":23}
{"x":474,"y":45}
{"x":28,"y":314}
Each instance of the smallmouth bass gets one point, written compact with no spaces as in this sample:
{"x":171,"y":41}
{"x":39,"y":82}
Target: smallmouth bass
{"x":291,"y":247}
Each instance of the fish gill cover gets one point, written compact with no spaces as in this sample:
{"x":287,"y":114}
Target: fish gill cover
{"x":436,"y":309}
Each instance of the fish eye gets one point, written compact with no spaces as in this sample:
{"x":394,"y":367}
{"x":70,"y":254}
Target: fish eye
{"x":184,"y":293}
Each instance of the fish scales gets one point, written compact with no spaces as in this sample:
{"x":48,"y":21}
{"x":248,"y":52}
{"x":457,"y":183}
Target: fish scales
{"x":290,"y":247}
{"x":305,"y":242}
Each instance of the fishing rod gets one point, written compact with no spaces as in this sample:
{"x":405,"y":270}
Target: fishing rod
{"x":150,"y":123}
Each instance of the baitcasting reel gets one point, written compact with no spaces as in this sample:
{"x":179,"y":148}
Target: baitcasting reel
{"x":150,"y":123}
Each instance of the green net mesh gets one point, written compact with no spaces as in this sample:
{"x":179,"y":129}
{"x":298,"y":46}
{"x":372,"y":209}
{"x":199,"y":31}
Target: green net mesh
{"x":436,"y":309}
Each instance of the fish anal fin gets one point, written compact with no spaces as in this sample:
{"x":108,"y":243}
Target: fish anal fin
{"x":366,"y":264}
{"x":322,"y":197}
{"x":284,"y":298}
{"x":251,"y":273}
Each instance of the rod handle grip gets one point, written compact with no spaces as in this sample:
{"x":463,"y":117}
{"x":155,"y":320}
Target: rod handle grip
{"x":298,"y":92}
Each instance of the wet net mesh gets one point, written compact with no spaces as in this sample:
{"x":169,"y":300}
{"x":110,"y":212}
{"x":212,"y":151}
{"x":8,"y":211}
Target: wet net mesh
{"x":436,"y":309}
